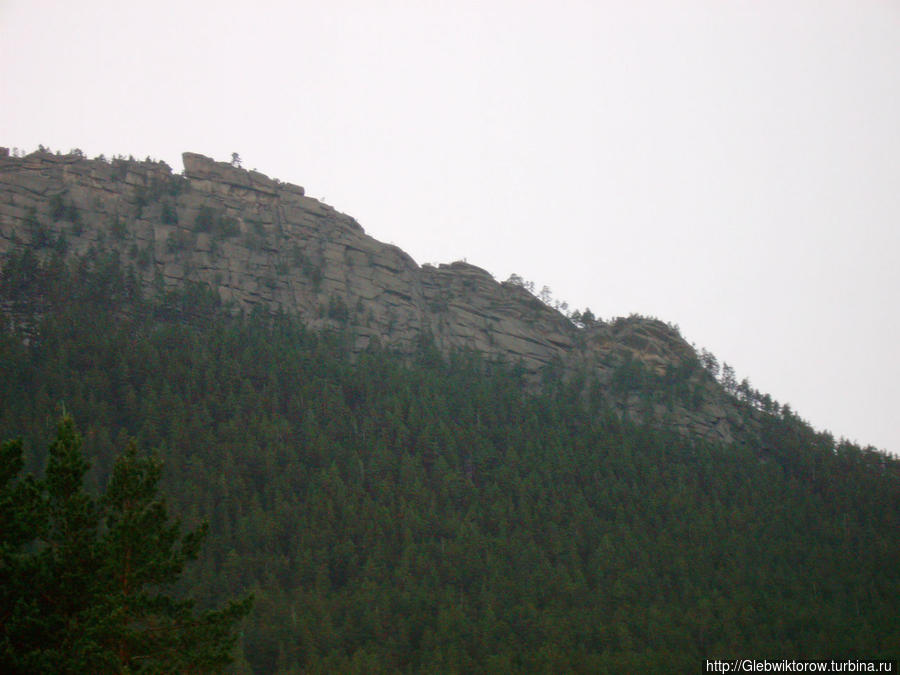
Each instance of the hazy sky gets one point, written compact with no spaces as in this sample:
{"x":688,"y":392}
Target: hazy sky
{"x":732,"y":167}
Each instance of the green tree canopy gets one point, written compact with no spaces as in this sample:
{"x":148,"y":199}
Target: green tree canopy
{"x":84,"y":578}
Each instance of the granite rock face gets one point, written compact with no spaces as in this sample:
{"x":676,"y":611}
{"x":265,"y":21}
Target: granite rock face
{"x":257,"y":241}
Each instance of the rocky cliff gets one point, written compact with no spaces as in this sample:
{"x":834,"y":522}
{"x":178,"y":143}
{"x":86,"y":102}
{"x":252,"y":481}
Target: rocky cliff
{"x":262,"y":242}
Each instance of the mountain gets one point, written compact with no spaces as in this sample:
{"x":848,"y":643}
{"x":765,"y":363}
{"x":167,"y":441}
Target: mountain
{"x":259,"y":242}
{"x":420,"y":469}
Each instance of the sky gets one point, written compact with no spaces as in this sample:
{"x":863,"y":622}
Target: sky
{"x":732,"y":167}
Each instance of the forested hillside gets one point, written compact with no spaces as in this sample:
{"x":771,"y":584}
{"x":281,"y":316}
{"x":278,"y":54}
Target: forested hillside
{"x":432,"y":513}
{"x":262,"y":245}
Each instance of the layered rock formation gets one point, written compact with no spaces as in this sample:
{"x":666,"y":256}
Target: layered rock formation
{"x":261,"y":242}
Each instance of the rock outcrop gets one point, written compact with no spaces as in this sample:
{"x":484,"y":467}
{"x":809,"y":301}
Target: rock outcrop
{"x":260,"y":242}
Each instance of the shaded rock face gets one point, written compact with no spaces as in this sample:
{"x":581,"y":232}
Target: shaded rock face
{"x":260,"y":242}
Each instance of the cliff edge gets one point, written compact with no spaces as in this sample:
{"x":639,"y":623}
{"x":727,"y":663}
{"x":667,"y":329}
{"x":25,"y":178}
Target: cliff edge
{"x":257,"y":241}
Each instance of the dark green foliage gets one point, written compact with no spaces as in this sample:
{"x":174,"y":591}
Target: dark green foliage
{"x":41,"y":234}
{"x":20,"y":519}
{"x":309,"y":269}
{"x":633,"y":376}
{"x":82,"y":576}
{"x":227,"y":226}
{"x":204,"y":220}
{"x":119,"y":169}
{"x":168,"y":215}
{"x":57,"y":207}
{"x":21,"y":275}
{"x":141,"y":199}
{"x":169,"y":185}
{"x":430,"y":515}
{"x":160,"y":184}
{"x":256,"y":238}
{"x":60,"y":209}
{"x":338,"y":310}
{"x":180,"y":240}
{"x":216,"y":223}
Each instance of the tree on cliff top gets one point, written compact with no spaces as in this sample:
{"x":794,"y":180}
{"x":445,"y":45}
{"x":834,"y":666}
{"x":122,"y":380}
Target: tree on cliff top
{"x":82,"y":577}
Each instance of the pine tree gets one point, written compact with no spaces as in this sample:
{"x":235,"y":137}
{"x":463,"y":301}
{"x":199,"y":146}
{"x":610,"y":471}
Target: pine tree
{"x":83,"y":585}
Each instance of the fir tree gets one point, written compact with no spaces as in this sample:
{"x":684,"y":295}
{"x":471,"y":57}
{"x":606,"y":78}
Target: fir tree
{"x":84,"y":577}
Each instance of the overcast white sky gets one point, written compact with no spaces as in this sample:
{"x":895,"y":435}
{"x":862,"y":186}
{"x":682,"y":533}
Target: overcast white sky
{"x":732,"y":167}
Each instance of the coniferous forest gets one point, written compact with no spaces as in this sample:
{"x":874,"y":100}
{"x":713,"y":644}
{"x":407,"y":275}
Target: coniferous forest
{"x":438,"y":513}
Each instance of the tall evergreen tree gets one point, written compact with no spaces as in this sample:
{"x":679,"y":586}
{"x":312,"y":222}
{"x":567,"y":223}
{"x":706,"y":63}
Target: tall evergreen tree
{"x":83,"y":587}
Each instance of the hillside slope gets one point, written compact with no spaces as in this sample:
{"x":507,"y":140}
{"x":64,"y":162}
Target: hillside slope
{"x":420,"y":469}
{"x":422,"y":513}
{"x":259,"y":242}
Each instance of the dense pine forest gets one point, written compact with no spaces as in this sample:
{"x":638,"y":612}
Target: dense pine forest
{"x":439,"y":513}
